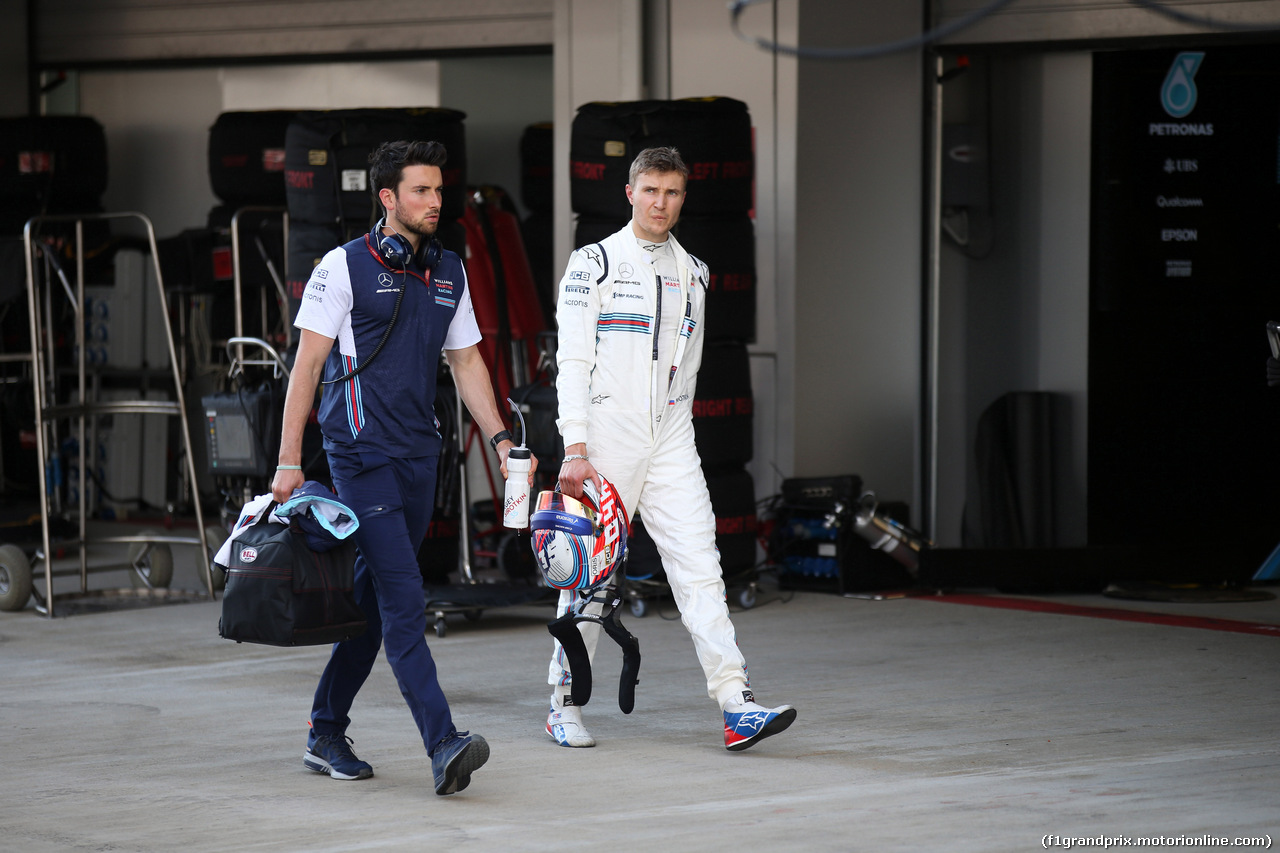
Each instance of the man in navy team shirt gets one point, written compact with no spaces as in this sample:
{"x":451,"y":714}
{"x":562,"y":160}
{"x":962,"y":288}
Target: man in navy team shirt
{"x":375,"y":316}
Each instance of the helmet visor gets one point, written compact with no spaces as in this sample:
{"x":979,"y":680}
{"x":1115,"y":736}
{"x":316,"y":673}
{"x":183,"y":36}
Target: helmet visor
{"x":558,"y":511}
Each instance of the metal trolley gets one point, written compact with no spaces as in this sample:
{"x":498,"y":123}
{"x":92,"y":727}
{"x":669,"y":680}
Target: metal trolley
{"x":148,"y":554}
{"x":471,"y":596}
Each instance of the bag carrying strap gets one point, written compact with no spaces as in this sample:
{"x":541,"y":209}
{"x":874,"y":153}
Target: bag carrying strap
{"x":265,"y":518}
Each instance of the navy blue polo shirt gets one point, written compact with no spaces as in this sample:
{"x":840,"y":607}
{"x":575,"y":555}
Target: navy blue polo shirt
{"x":388,"y":407}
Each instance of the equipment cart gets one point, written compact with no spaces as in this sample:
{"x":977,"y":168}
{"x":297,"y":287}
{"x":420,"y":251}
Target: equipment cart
{"x":472,"y":596}
{"x":66,"y":411}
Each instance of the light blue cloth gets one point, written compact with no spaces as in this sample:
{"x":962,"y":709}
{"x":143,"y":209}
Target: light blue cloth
{"x":325,"y":519}
{"x":316,"y":510}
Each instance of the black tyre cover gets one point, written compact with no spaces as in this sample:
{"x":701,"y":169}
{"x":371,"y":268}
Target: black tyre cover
{"x":713,"y":136}
{"x":308,"y":243}
{"x":727,"y":245}
{"x":536,"y":187}
{"x":593,"y":229}
{"x":723,"y":407}
{"x":643,"y":562}
{"x":327,"y":160}
{"x":50,"y":163}
{"x":537,"y":230}
{"x":246,"y":157}
{"x":733,"y":499}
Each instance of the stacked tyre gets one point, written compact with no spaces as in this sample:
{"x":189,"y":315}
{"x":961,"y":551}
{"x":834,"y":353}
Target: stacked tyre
{"x":326,"y":177}
{"x":246,"y":170}
{"x":714,"y":138}
{"x":49,"y":166}
{"x":246,"y":157}
{"x":537,"y":192}
{"x":330,"y":201}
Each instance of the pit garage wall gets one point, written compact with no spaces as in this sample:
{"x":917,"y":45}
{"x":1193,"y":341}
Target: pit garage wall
{"x":1096,"y":21}
{"x":13,"y":58}
{"x":835,"y":367}
{"x":157,"y":116}
{"x":78,"y":32}
{"x":1016,"y":318}
{"x":858,"y":269}
{"x":157,"y":120}
{"x":1014,"y":305}
{"x":705,"y":58}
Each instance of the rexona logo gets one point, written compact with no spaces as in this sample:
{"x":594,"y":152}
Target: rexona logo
{"x":1178,"y":94}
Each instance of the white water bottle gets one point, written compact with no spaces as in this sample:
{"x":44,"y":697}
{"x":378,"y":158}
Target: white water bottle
{"x":515,"y":505}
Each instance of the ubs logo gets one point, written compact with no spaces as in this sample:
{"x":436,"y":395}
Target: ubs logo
{"x":1178,"y":94}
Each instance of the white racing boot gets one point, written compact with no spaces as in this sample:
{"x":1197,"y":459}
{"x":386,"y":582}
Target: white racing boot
{"x":564,"y":723}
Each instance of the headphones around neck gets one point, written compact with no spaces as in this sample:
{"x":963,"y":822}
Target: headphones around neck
{"x":397,"y":250}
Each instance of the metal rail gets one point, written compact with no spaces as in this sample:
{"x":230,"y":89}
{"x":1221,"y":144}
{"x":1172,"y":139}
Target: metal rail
{"x":239,"y":362}
{"x":275,"y":276}
{"x":48,"y":412}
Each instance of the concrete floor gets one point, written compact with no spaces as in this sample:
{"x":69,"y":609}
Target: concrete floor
{"x":923,"y":725}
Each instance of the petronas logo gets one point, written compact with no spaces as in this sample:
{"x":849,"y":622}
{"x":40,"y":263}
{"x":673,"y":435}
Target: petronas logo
{"x":1178,"y":94}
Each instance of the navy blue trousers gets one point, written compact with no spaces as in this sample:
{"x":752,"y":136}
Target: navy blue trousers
{"x":393,"y":499}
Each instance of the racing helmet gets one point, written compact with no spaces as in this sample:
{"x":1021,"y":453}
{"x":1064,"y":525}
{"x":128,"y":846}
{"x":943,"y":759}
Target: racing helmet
{"x":578,"y":544}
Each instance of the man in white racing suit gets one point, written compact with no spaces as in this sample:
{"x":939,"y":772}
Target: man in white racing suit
{"x":630,"y":311}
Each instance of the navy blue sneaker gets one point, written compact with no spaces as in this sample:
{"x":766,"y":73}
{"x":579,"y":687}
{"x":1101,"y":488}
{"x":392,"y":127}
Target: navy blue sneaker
{"x":456,"y":759}
{"x":332,"y":754}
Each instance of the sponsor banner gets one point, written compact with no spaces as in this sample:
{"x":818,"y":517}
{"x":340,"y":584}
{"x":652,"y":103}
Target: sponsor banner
{"x":1184,"y":257}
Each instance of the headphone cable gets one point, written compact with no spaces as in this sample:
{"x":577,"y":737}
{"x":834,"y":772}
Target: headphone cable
{"x":395,"y":312}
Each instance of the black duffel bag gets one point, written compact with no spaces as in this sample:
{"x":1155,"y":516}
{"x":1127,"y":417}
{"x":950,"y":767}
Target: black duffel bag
{"x":282,"y":593}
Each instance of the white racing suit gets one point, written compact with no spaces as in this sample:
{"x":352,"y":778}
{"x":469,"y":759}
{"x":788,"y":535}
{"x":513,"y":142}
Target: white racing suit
{"x":608,"y":376}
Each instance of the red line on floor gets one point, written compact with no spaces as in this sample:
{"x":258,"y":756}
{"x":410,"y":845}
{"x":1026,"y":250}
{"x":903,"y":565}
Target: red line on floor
{"x":1178,"y":621}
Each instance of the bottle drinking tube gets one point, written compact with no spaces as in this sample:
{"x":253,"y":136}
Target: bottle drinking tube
{"x":515,"y":504}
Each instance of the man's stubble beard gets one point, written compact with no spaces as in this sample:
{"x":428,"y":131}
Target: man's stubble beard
{"x":419,"y":230}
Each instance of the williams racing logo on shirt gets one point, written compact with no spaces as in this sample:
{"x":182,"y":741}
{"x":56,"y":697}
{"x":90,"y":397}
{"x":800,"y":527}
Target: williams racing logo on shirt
{"x":444,"y":293}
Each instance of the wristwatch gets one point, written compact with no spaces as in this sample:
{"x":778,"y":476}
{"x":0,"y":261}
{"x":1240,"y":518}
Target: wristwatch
{"x":504,"y":435}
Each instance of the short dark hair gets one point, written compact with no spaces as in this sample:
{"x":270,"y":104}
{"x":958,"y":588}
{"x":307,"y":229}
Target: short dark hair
{"x":387,"y":162}
{"x":657,"y":160}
